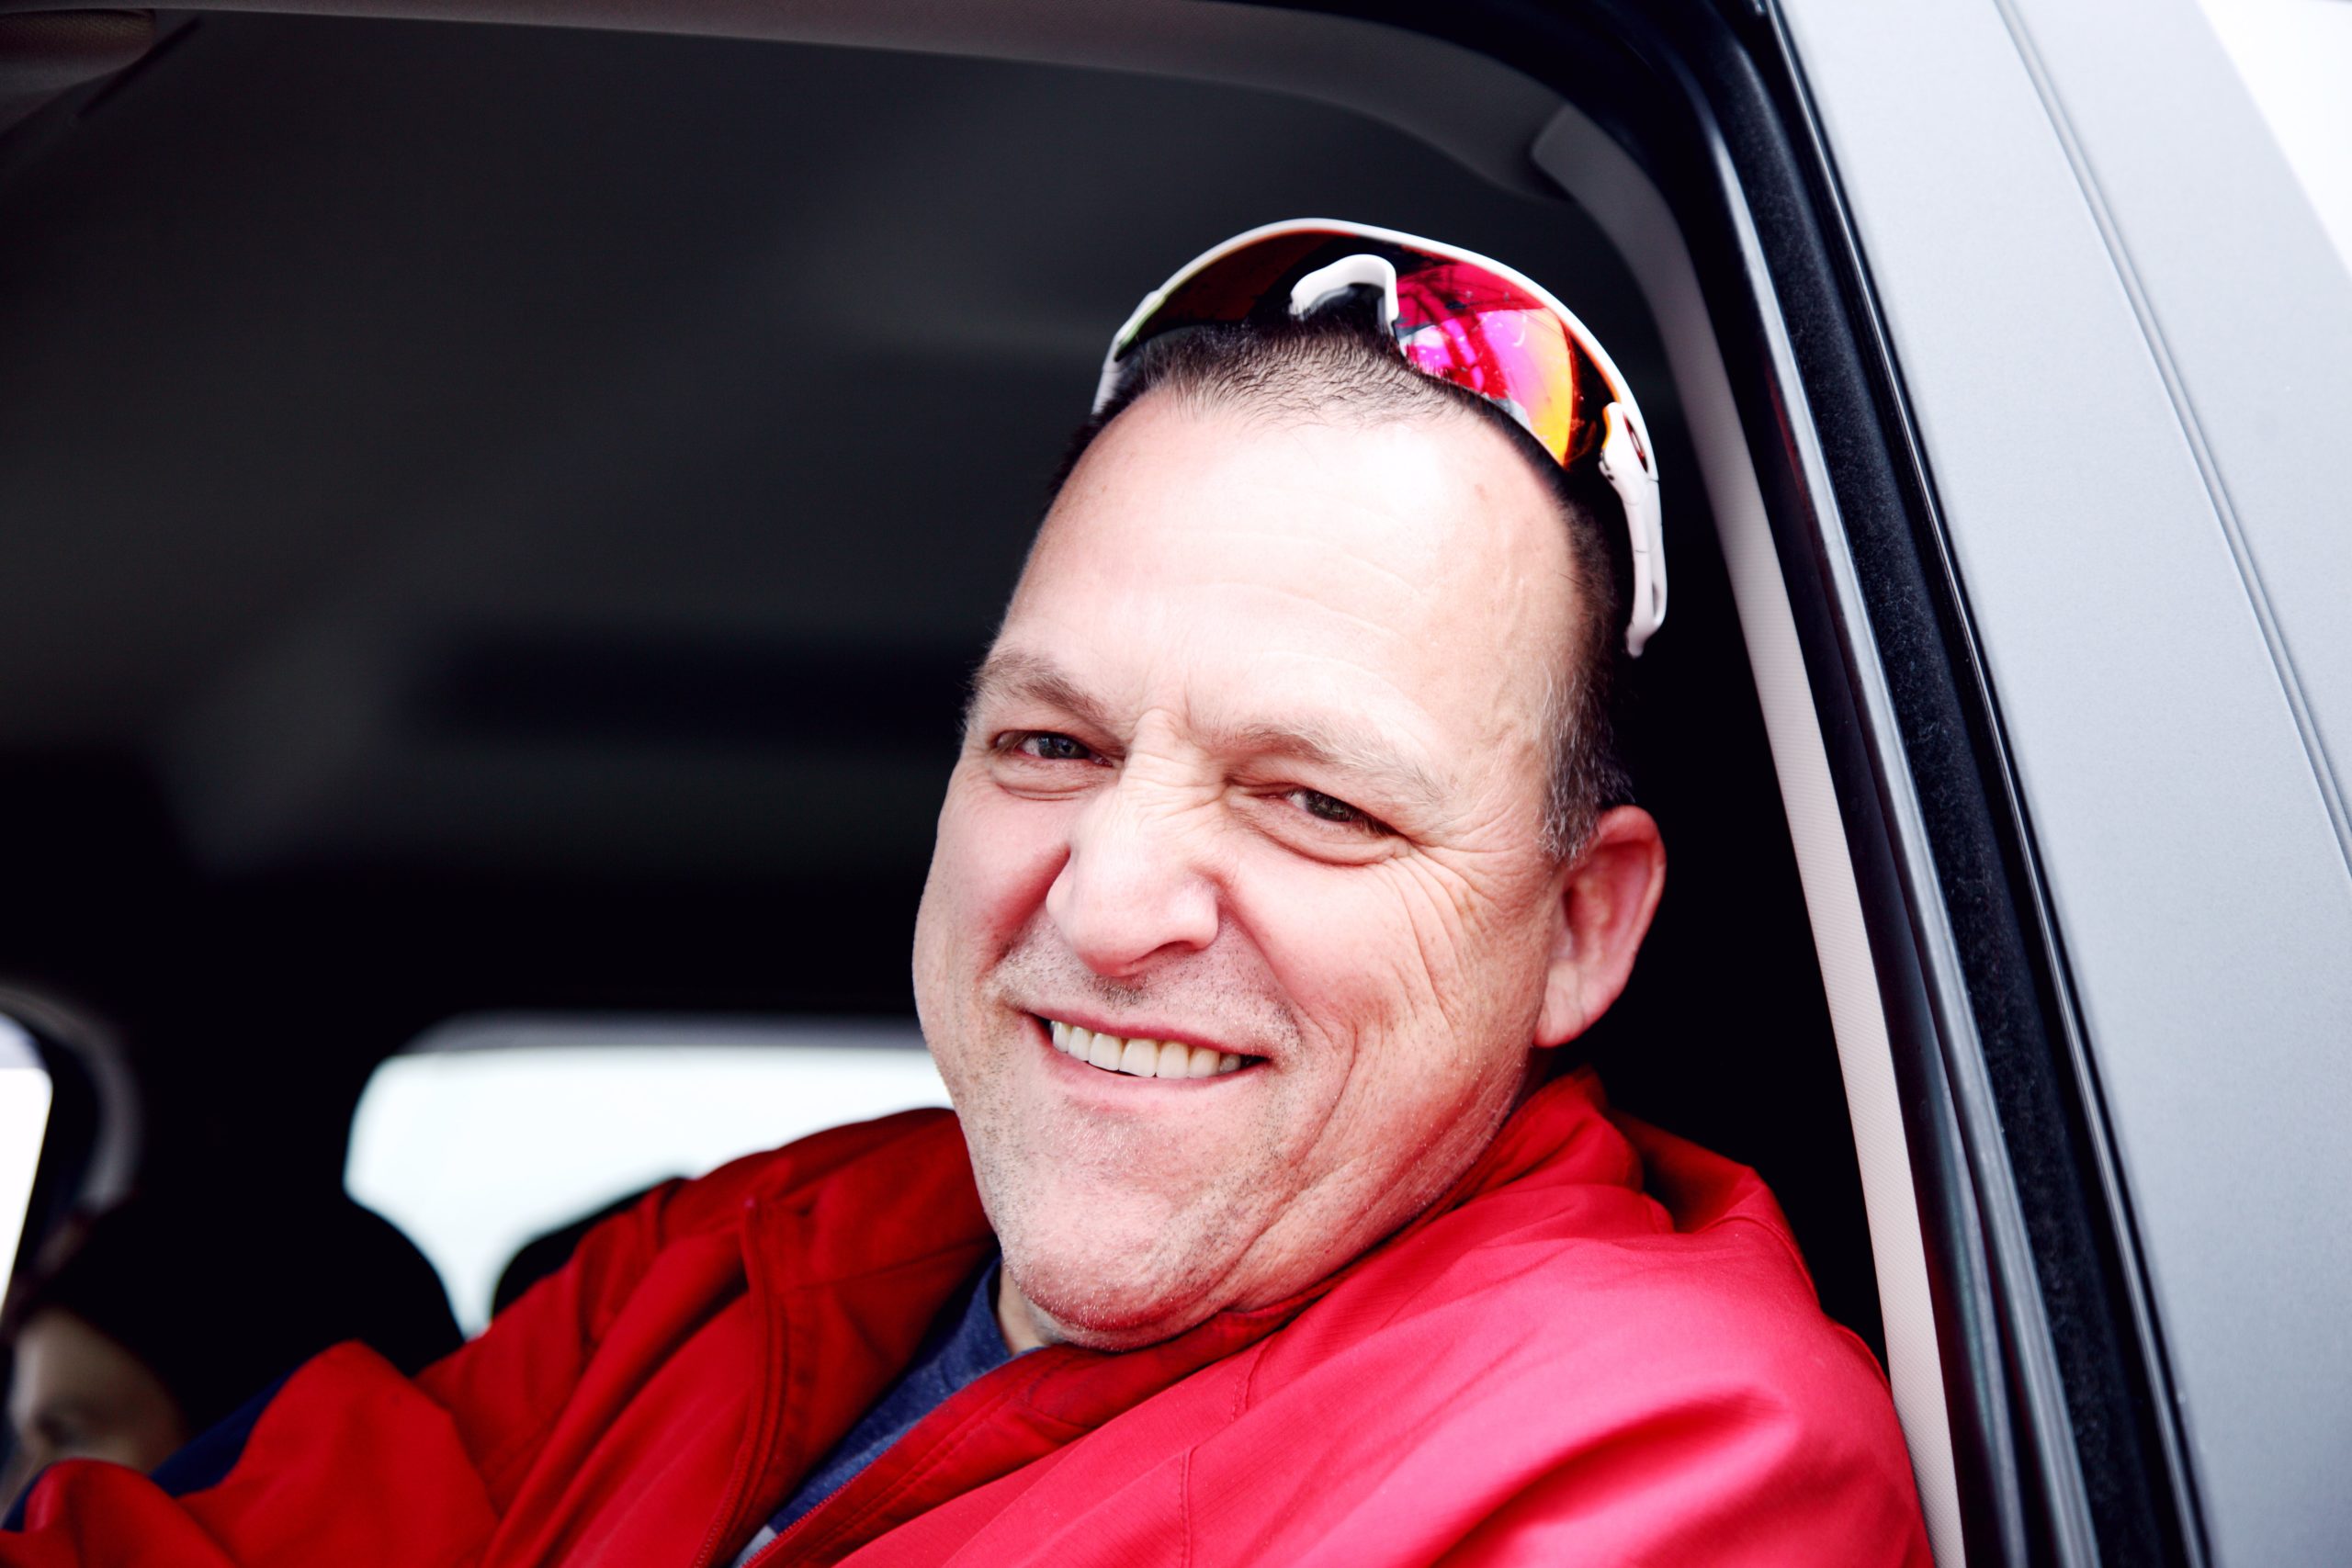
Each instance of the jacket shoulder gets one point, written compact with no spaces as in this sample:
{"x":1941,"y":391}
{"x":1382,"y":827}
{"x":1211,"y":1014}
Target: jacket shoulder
{"x":715,"y":1200}
{"x":1669,"y":1396}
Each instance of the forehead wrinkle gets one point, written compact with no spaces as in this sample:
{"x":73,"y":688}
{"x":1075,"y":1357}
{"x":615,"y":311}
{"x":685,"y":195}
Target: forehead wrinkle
{"x":1366,"y":533}
{"x":1321,"y":605}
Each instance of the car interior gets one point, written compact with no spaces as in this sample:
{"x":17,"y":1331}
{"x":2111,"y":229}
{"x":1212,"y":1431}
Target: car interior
{"x":499,"y":518}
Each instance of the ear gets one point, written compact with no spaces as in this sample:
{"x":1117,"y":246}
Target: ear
{"x":1607,"y":896}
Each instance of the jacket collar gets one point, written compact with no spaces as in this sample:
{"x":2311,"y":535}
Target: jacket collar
{"x":893,"y":1236}
{"x":848,"y":1269}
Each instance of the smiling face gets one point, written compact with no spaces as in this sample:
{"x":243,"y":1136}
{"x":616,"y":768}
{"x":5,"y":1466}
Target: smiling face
{"x":1253,"y":787}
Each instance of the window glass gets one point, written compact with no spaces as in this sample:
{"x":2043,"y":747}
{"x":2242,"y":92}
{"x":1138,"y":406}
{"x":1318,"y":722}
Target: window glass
{"x":489,"y":1132}
{"x":2296,"y":58}
{"x":23,"y":1117}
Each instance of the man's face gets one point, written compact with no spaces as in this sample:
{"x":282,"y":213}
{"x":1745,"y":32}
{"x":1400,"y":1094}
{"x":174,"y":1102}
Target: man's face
{"x":1256,"y":767}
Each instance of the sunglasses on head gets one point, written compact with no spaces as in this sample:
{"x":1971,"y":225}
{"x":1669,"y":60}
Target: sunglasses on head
{"x":1455,"y":315}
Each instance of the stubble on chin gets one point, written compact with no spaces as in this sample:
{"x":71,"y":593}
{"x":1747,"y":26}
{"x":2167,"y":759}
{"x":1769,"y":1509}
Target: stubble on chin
{"x":1105,"y":1229}
{"x":1103,"y":1258}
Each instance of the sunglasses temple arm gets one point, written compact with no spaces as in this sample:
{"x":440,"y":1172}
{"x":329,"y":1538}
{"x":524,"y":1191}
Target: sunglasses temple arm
{"x":1625,"y":463}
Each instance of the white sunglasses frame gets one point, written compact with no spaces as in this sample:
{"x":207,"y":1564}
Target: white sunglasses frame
{"x":1626,"y":456}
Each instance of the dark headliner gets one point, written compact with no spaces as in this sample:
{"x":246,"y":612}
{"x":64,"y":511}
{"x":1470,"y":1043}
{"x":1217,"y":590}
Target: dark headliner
{"x":500,"y":517}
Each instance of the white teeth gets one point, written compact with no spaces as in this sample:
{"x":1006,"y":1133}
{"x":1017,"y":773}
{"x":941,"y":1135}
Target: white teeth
{"x":1140,"y":1057}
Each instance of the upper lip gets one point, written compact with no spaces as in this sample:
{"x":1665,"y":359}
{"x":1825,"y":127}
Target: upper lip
{"x":1095,"y":1022}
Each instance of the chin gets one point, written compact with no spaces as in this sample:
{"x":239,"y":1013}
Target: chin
{"x":1107,"y":1297}
{"x":1110,"y":1320}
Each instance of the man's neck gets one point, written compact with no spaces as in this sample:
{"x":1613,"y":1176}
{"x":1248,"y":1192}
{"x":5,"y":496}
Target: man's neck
{"x":1024,"y":1327}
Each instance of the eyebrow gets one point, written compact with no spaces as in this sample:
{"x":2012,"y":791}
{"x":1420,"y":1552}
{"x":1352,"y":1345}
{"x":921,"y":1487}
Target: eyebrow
{"x":1357,"y":749}
{"x":1015,"y":675}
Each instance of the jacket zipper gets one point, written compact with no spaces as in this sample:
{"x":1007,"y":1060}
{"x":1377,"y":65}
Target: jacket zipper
{"x":770,"y":1555}
{"x":766,"y":1555}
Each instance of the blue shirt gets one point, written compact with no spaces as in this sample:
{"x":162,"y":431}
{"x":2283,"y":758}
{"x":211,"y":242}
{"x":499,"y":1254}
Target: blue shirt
{"x":956,"y":1354}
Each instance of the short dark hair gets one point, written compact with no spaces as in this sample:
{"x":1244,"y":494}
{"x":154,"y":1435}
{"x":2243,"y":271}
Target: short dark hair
{"x":1340,"y":364}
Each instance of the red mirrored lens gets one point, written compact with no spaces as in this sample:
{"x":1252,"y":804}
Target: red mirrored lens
{"x":1456,"y":320}
{"x":1235,"y":286}
{"x":1463,"y":325}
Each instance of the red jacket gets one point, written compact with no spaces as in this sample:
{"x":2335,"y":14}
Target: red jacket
{"x":1550,"y":1366}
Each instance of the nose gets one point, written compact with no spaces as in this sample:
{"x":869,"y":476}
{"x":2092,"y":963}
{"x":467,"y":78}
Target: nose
{"x":1135,"y":887}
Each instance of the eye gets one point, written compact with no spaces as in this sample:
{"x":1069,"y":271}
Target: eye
{"x":1327,"y":808}
{"x":1044,"y":745}
{"x":60,"y":1436}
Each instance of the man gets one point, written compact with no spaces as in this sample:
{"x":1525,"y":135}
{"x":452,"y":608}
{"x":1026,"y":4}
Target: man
{"x":1282,"y":851}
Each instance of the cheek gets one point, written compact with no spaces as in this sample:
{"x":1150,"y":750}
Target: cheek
{"x":1357,"y":949}
{"x":1411,"y":948}
{"x":993,"y":861}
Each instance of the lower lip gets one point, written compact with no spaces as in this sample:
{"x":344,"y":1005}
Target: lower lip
{"x":1087,"y":1072}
